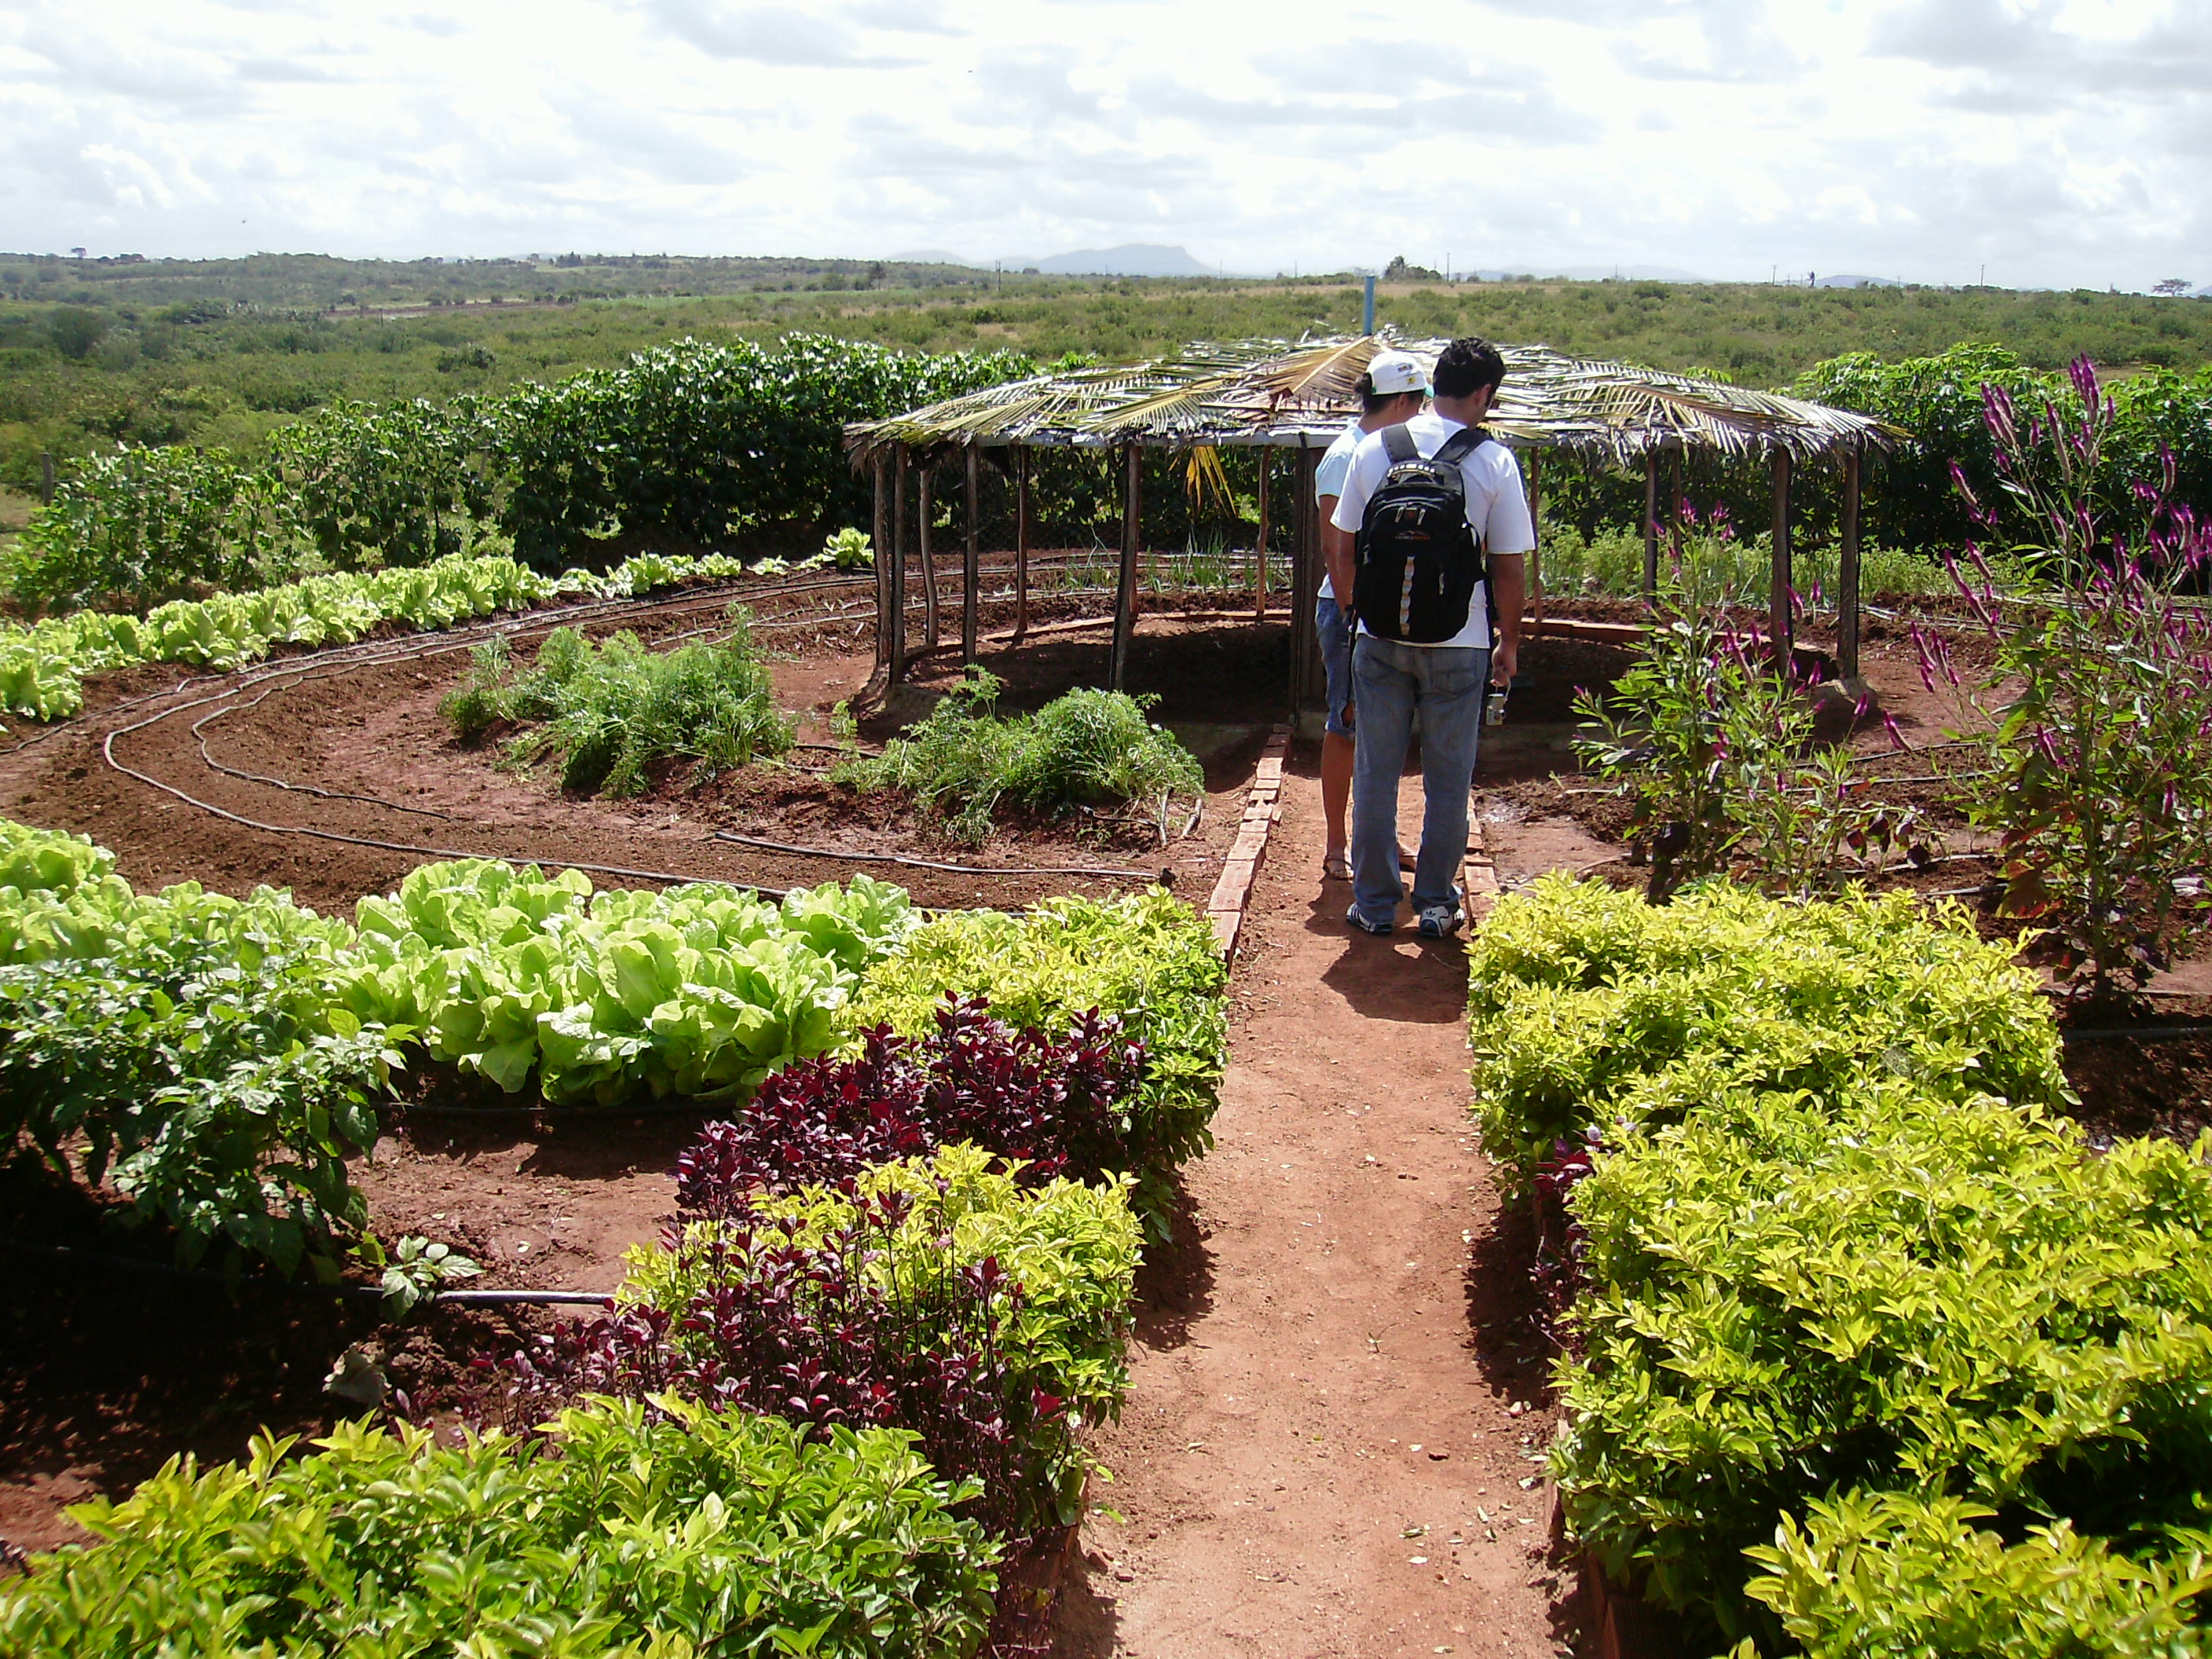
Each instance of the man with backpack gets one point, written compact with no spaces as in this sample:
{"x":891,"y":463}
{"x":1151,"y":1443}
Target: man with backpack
{"x":1441,"y":526}
{"x":1392,"y":391}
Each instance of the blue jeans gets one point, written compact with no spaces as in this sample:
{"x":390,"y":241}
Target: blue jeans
{"x":1390,"y":680}
{"x":1336,"y":630}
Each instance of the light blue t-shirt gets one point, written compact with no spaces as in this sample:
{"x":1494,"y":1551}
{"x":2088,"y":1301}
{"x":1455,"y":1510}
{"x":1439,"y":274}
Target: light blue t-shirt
{"x":1328,"y":479}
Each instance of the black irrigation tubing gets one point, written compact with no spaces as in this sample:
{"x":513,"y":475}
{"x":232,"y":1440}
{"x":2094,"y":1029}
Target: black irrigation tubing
{"x":131,"y":1264}
{"x":934,"y":864}
{"x":495,"y":623}
{"x":2136,"y":1033}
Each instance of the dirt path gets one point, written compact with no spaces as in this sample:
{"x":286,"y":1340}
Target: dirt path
{"x":1335,"y":1400}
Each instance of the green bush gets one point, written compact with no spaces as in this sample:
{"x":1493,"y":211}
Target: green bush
{"x":1071,"y":1248}
{"x":1833,"y":1247}
{"x":1149,"y":959}
{"x":612,"y":710}
{"x":1086,"y":748}
{"x":637,"y":1533}
{"x":144,"y":526}
{"x":1786,"y":1301}
{"x":183,"y":1047}
{"x":1589,"y":1008}
{"x":1889,"y":1576}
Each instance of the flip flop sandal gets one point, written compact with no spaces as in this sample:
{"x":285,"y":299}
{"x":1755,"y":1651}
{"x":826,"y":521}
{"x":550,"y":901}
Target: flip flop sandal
{"x":1334,"y":867}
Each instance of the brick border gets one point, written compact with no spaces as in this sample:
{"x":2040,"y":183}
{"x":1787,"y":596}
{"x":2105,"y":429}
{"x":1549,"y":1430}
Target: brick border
{"x":1262,"y":807}
{"x":1478,"y":877}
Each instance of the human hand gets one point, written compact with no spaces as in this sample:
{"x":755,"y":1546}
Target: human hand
{"x":1504,"y":659}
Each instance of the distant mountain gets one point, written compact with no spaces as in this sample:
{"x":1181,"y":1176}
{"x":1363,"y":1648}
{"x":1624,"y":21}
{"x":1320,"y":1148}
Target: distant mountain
{"x":1130,"y":260}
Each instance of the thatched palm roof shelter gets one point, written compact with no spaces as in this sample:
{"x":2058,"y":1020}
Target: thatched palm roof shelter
{"x":1273,"y":394}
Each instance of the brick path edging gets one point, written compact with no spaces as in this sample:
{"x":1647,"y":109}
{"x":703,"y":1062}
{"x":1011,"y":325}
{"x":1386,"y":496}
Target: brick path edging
{"x":1262,"y":807}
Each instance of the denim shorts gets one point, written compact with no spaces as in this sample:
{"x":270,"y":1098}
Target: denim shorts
{"x":1336,"y":663}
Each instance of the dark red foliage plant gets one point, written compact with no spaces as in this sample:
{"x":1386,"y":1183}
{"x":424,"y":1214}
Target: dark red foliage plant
{"x":860,"y":1323}
{"x":1057,"y":1105}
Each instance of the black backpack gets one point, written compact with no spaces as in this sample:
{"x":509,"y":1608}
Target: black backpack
{"x":1417,"y":558}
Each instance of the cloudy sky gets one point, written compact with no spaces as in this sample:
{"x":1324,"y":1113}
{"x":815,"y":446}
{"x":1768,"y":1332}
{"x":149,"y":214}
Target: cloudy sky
{"x":2053,"y":142}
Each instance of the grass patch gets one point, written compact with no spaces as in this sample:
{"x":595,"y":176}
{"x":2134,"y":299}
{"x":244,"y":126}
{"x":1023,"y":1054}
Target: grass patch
{"x":1087,"y":748}
{"x":608,"y":712}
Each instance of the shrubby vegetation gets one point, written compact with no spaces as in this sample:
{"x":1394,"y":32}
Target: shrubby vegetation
{"x":1085,"y":749}
{"x":1846,"y":1292}
{"x":611,"y":713}
{"x":663,"y":1532}
{"x":1148,"y":960}
{"x":941,"y":1294}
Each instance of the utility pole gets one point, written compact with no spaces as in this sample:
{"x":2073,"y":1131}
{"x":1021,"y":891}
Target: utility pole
{"x":1367,"y":308}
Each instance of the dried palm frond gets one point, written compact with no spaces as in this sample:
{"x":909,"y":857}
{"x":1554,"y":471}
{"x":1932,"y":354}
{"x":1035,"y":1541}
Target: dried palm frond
{"x":1275,"y":392}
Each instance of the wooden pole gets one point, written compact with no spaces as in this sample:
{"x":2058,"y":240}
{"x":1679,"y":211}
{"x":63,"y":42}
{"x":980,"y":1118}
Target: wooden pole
{"x":1260,"y":548}
{"x":971,"y":563}
{"x":1125,"y":591}
{"x":1847,"y":576}
{"x":1674,"y":507}
{"x":1650,"y":527}
{"x":1305,"y":580}
{"x":897,"y":559}
{"x":1021,"y":542}
{"x":925,"y":513}
{"x":884,"y":562}
{"x":1536,"y":600}
{"x":45,"y":478}
{"x":1781,"y":625}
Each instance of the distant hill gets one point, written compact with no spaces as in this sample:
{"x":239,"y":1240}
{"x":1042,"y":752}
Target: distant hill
{"x":1130,"y":260}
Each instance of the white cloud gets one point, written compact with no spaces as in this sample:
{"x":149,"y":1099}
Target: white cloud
{"x":2061,"y":142}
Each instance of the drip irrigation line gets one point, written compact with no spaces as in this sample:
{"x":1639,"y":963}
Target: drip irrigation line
{"x":414,"y":849}
{"x":2136,"y":1033}
{"x":76,"y":1255}
{"x":934,"y":864}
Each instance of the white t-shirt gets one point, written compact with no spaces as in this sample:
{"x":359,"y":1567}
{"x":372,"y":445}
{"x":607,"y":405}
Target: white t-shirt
{"x":1497,"y":506}
{"x":1329,"y":480}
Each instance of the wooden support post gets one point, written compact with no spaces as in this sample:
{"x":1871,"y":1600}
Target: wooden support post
{"x":1260,"y":547}
{"x":45,"y":478}
{"x":1535,"y":603}
{"x":1674,"y":507}
{"x":1125,"y":591}
{"x":882,"y":532}
{"x":1781,"y":625}
{"x":925,"y":511}
{"x":1650,"y":527}
{"x":1305,"y":581}
{"x":1847,"y":576}
{"x":971,"y":562}
{"x":1021,"y":542}
{"x":897,"y":559}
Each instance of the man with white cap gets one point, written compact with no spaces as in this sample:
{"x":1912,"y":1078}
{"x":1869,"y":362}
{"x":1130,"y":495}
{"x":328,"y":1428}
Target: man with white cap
{"x":1390,"y":392}
{"x":1441,"y":527}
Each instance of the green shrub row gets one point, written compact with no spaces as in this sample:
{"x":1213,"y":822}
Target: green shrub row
{"x":632,"y":1531}
{"x":1852,"y":1303}
{"x":690,"y":443}
{"x":1149,"y":959}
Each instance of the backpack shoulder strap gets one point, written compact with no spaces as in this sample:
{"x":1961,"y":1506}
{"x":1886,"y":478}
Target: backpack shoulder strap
{"x":1398,"y":444}
{"x":1461,"y":444}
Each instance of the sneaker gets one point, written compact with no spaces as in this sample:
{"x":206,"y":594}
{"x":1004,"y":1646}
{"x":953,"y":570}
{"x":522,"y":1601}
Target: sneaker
{"x":1356,"y":919}
{"x":1440,"y":923}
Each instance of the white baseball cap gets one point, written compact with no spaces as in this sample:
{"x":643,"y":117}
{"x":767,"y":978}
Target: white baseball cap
{"x":1390,"y":372}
